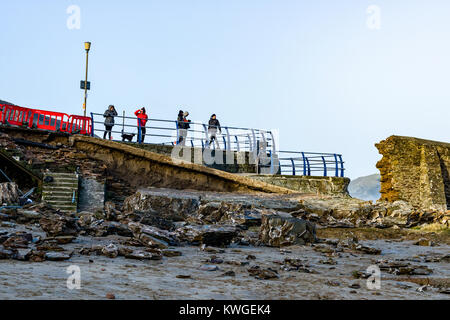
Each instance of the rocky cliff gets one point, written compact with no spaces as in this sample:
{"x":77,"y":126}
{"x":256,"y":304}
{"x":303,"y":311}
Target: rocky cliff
{"x":416,"y":171}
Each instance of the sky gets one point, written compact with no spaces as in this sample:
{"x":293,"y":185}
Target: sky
{"x":330,"y":76}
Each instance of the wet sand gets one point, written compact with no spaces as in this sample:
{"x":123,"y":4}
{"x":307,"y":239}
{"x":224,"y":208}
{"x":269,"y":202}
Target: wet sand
{"x":157,"y":280}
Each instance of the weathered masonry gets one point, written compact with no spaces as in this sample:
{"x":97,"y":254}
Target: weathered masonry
{"x":416,"y":171}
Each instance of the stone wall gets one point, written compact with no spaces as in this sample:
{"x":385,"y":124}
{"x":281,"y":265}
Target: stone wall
{"x":416,"y":171}
{"x":317,"y":185}
{"x":243,"y":160}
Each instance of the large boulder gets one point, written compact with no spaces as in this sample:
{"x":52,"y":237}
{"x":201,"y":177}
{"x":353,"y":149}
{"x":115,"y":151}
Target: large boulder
{"x":58,"y":225}
{"x":152,"y":236}
{"x":278,"y":230}
{"x":211,"y":235}
{"x":169,"y":204}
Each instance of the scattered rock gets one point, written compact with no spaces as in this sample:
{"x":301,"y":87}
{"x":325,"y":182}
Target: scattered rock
{"x":263,"y":274}
{"x":111,"y":251}
{"x":210,"y":235}
{"x":110,"y":296}
{"x":208,"y":267}
{"x":424,"y":242}
{"x":171,"y":253}
{"x":57,"y":225}
{"x":57,"y":256}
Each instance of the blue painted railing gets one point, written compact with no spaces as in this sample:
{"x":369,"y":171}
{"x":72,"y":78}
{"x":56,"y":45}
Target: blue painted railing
{"x":233,"y":139}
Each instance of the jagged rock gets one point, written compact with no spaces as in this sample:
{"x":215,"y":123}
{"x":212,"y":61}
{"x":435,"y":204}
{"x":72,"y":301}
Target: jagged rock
{"x":111,"y":251}
{"x":107,"y":228}
{"x":152,"y":236}
{"x":49,"y":247}
{"x":86,"y":219}
{"x":7,"y":254}
{"x":366,"y":249}
{"x":210,"y":235}
{"x":9,"y":193}
{"x":28,"y":216}
{"x":208,"y":267}
{"x":170,"y":205}
{"x":152,"y":218}
{"x":403,"y":268}
{"x":291,"y":264}
{"x":57,"y":256}
{"x":279,"y":230}
{"x":171,"y":253}
{"x":37,"y":256}
{"x":57,"y":225}
{"x":143,"y":255}
{"x":424,"y":242}
{"x":152,"y":242}
{"x":18,"y":241}
{"x":111,"y":213}
{"x":263,"y":274}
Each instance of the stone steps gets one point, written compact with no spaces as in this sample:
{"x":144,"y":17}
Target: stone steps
{"x":60,"y":192}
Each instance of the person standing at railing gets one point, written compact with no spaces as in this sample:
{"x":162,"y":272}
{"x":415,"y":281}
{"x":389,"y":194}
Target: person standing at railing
{"x":183,"y":126}
{"x":213,"y":127}
{"x":142,"y":122}
{"x":109,"y":115}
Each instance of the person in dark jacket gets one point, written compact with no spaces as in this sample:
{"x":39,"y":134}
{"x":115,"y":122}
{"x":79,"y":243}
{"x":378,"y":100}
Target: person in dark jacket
{"x":183,"y":126}
{"x":109,"y":115}
{"x":213,"y":127}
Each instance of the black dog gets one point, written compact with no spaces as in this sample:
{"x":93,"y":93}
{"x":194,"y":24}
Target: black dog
{"x":128,"y":136}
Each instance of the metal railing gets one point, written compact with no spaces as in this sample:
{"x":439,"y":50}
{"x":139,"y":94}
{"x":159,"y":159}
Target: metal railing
{"x":311,"y":163}
{"x":166,"y":132}
{"x":259,"y":142}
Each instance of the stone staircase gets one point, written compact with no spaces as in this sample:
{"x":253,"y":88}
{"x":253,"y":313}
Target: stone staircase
{"x":62,"y":192}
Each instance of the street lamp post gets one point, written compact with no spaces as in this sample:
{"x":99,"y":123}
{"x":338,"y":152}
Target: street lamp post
{"x":87,"y":46}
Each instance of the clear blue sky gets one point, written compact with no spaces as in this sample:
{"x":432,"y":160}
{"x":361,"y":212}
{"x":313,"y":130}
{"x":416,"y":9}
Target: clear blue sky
{"x":312,"y":69}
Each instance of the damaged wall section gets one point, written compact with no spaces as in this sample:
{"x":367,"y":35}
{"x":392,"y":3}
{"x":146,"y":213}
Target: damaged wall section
{"x":416,"y":171}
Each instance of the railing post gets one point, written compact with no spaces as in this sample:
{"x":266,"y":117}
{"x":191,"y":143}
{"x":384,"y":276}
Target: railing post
{"x":228,"y":144}
{"x":237,"y":143}
{"x":324,"y":166}
{"x":192,"y":143}
{"x":273,"y":143}
{"x":255,"y":145}
{"x":272,"y":169}
{"x":309,"y":166}
{"x":304,"y":163}
{"x":293,"y":166}
{"x":250,"y":144}
{"x":336,"y":165}
{"x":225,"y":143}
{"x":206,"y":135}
{"x":178,"y":134}
{"x":342,"y":166}
{"x":92,"y":124}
